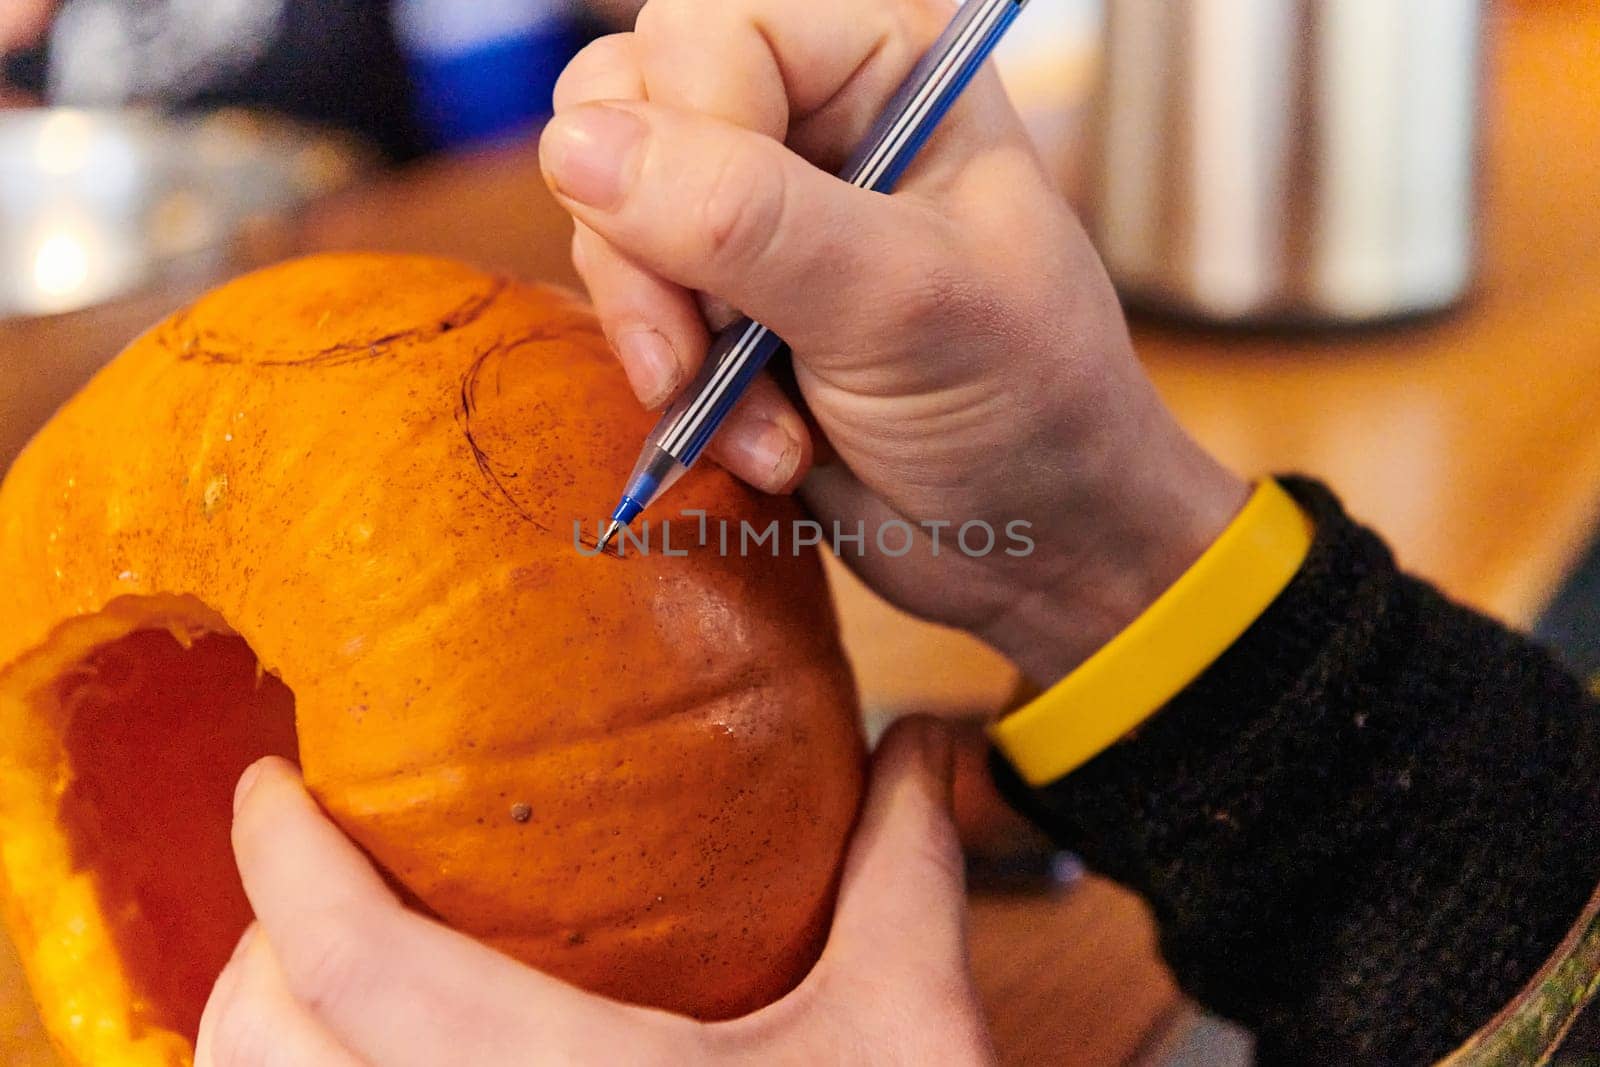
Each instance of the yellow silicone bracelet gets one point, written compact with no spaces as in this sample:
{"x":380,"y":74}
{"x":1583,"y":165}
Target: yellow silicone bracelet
{"x":1167,"y":647}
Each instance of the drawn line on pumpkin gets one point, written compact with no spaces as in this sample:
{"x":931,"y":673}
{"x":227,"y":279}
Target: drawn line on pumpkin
{"x":197,"y":345}
{"x":592,"y":542}
{"x":468,"y":410}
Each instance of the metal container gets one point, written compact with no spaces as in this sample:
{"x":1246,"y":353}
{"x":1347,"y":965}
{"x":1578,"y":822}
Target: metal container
{"x":94,"y":204}
{"x":1303,"y":161}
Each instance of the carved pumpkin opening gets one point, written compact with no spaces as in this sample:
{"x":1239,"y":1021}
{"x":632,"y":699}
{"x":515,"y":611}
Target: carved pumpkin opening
{"x":154,"y":729}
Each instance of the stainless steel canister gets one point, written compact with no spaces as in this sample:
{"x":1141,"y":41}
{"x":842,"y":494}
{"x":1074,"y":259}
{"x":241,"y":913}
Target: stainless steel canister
{"x":1288,"y":160}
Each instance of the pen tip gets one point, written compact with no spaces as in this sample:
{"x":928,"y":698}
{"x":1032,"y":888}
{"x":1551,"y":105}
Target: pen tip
{"x":611,"y":531}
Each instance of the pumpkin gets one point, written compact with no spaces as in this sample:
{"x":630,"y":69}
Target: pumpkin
{"x":328,"y":512}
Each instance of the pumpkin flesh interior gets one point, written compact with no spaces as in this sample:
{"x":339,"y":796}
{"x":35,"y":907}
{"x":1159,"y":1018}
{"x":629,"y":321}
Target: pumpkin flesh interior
{"x":156,"y":729}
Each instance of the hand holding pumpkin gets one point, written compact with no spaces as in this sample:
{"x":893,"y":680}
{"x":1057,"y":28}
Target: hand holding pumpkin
{"x":957,"y":344}
{"x":336,"y":972}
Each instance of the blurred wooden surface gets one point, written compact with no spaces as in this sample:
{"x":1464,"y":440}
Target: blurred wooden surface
{"x":1472,"y":441}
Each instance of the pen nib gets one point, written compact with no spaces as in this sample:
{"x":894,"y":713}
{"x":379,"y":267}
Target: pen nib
{"x":611,"y":531}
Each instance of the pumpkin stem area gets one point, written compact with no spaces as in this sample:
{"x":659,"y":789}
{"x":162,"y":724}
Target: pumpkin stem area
{"x":152,"y":730}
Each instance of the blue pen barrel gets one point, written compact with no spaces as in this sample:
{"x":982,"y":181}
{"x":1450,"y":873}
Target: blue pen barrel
{"x":736,"y":356}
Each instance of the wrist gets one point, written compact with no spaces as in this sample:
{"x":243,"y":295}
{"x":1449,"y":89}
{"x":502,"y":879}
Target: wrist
{"x":1124,"y":539}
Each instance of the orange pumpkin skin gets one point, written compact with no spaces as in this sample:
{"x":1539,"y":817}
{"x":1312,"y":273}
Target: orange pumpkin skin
{"x":637,"y":774}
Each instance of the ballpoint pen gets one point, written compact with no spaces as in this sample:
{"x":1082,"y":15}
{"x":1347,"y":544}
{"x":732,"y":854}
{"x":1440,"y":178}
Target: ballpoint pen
{"x":738,"y":353}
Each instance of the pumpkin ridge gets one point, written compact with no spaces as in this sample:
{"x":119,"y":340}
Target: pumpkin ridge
{"x":688,"y":709}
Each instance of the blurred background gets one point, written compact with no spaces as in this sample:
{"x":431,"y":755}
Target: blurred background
{"x":1358,"y":238}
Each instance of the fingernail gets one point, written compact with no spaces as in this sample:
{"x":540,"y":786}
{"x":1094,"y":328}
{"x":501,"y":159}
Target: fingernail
{"x":651,"y":365}
{"x":589,"y":153}
{"x":763,"y":451}
{"x":247,"y":781}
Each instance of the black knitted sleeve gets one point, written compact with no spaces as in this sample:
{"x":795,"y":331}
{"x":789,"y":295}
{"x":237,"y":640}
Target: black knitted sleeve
{"x":1365,"y":827}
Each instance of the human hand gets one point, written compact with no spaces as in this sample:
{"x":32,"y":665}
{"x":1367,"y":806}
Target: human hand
{"x":957,"y":344}
{"x":336,"y":972}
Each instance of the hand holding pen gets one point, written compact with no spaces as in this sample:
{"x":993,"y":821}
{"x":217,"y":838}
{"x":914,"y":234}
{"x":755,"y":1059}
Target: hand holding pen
{"x":743,"y":348}
{"x":956,"y":343}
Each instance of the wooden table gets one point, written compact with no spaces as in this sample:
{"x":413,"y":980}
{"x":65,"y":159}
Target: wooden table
{"x":1472,"y":441}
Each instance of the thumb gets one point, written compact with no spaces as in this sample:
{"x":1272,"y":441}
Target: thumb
{"x":901,"y":910}
{"x":893,"y":985}
{"x":733,"y":213}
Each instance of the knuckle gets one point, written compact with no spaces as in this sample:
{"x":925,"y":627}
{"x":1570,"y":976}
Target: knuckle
{"x":665,"y":19}
{"x":333,"y":961}
{"x":595,"y":72}
{"x":742,"y":211}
